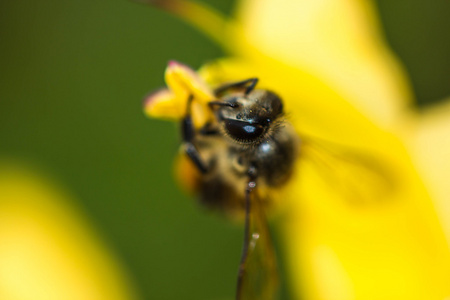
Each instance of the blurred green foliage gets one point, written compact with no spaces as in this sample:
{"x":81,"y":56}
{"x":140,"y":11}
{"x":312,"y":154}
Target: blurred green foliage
{"x":73,"y":75}
{"x":418,"y":32}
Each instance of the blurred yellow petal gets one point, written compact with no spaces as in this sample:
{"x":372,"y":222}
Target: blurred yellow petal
{"x":385,"y":244}
{"x":312,"y":106}
{"x":430,"y":146}
{"x":359,"y":222}
{"x":337,"y":41}
{"x":358,"y":215}
{"x":387,"y":248}
{"x":48,"y":251}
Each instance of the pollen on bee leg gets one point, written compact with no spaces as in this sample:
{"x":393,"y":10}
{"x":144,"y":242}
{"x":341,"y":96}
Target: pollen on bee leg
{"x":186,"y":173}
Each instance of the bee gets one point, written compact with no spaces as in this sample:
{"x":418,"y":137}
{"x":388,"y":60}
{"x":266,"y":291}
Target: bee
{"x":247,"y":149}
{"x":243,"y":149}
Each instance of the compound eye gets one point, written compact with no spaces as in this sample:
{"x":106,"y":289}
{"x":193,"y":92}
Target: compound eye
{"x":243,"y":131}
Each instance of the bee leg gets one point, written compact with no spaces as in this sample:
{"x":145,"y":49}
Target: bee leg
{"x":188,"y":135}
{"x":206,"y":131}
{"x":251,"y":185}
{"x":240,"y":84}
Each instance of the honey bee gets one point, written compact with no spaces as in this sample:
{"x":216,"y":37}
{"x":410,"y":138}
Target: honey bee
{"x":248,"y":148}
{"x":245,"y":150}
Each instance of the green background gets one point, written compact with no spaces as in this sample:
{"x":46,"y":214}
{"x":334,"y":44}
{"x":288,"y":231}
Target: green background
{"x":73,"y":75}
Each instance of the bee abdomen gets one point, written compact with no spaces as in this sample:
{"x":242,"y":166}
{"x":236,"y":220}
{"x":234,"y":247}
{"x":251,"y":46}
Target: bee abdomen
{"x":218,"y":194}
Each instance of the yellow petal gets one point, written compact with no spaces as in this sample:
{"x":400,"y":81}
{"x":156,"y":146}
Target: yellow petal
{"x":430,"y":146}
{"x":359,"y":215}
{"x":48,"y":251}
{"x":339,"y":83}
{"x":338,"y":41}
{"x":181,"y":79}
{"x":388,"y":248}
{"x":162,"y":105}
{"x":315,"y":109}
{"x":171,"y":103}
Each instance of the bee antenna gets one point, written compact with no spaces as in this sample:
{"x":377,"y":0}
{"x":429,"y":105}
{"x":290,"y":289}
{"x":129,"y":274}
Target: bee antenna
{"x":221,"y":103}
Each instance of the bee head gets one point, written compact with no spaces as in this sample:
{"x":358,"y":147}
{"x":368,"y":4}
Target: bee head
{"x":249,"y":118}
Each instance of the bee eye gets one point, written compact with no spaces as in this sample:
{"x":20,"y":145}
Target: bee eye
{"x":243,"y":131}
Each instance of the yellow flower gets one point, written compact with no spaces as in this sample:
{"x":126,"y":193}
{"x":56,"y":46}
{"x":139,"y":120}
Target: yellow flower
{"x":171,"y":103}
{"x":359,"y":222}
{"x":48,"y":252}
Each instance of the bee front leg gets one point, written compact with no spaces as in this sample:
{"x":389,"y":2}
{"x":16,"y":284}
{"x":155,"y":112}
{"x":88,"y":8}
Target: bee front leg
{"x":188,"y":134}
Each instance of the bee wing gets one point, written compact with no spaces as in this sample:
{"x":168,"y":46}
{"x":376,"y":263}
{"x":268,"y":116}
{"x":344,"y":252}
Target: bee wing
{"x":356,"y":174}
{"x":258,"y":274}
